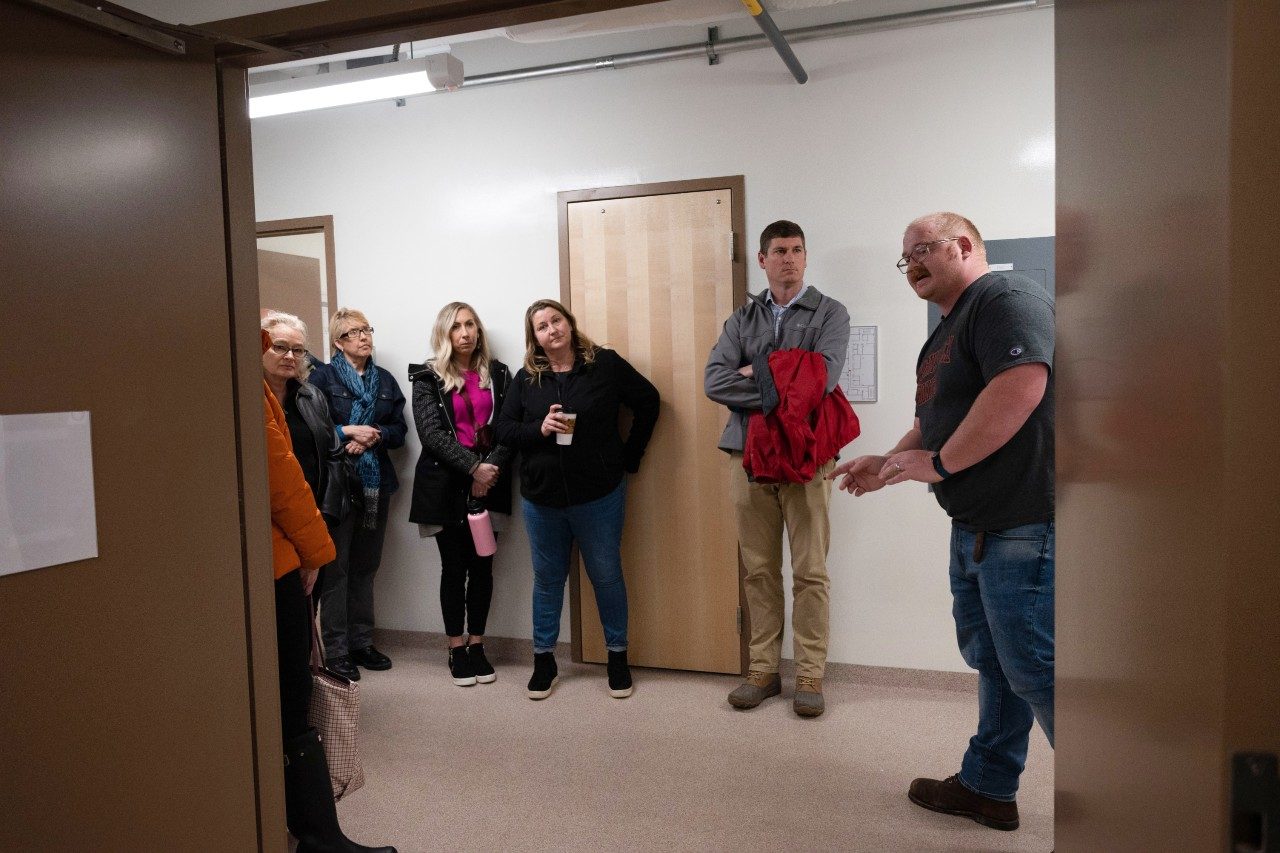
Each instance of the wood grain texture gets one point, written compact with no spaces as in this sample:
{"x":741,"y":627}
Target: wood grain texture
{"x":653,"y":278}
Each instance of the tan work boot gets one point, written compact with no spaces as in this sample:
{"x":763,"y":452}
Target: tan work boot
{"x":808,"y":700}
{"x":758,"y":687}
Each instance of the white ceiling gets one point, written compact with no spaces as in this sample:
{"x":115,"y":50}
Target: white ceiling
{"x":663,"y":24}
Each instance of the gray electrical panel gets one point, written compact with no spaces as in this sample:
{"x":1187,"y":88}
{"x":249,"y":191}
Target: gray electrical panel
{"x":1029,"y":256}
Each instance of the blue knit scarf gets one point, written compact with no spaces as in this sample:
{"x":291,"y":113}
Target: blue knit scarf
{"x":365,"y":389}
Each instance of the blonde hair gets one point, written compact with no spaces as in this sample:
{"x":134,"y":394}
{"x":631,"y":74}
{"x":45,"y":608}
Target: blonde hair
{"x":953,"y":225}
{"x":342,"y":318}
{"x":442,"y":345}
{"x":535,"y":359}
{"x":292,"y":321}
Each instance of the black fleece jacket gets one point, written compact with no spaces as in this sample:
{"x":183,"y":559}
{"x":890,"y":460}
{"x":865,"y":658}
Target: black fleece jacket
{"x":591,"y":467}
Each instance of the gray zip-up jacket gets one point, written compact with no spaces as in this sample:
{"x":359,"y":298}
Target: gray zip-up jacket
{"x":813,"y":322}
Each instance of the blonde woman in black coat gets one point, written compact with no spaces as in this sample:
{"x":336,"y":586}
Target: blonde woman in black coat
{"x":456,"y":397}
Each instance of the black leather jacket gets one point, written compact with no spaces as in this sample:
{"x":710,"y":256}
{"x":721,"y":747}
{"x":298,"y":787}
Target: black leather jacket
{"x":332,"y":496}
{"x":442,"y":478}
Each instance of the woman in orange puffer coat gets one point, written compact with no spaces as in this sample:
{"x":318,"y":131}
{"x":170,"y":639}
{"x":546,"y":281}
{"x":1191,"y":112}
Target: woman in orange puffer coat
{"x":300,"y":545}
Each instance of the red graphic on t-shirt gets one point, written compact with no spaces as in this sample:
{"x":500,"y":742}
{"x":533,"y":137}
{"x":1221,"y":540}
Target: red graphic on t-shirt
{"x":926,"y":380}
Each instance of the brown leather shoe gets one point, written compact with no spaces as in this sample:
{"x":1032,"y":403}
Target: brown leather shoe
{"x":950,"y":797}
{"x":758,"y":687}
{"x":808,"y":701}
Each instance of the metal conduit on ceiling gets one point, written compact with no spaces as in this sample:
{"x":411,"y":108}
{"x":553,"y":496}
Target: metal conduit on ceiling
{"x":713,"y":48}
{"x":752,"y":42}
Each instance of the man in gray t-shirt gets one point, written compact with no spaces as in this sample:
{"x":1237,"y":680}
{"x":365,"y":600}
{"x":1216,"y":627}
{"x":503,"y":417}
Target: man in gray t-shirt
{"x":983,"y":436}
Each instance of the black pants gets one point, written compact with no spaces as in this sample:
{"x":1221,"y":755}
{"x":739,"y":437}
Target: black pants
{"x":293,"y":644}
{"x":346,"y":599}
{"x":466,"y":581}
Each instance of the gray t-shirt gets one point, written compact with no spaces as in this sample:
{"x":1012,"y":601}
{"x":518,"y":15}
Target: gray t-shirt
{"x":1001,"y":320}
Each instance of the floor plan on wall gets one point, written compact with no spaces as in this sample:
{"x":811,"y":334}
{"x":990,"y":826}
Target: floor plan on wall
{"x":858,"y":379}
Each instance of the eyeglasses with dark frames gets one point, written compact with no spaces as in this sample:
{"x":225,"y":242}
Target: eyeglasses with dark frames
{"x":282,"y":349}
{"x":352,"y":334}
{"x":918,"y":251}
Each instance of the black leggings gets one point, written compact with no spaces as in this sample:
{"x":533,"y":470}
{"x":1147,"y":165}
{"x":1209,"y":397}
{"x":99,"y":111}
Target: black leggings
{"x":466,"y":581}
{"x":293,"y":644}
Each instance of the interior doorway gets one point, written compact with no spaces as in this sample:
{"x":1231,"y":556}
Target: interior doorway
{"x":296,"y":273}
{"x":652,"y":270}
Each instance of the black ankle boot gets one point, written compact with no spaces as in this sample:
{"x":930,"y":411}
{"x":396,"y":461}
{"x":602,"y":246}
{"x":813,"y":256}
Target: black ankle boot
{"x":545,"y":675}
{"x":460,"y":667}
{"x":619,"y":675}
{"x":308,"y":799}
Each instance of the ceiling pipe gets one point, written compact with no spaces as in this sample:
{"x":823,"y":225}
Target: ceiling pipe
{"x":722,"y":46}
{"x":765,"y":22}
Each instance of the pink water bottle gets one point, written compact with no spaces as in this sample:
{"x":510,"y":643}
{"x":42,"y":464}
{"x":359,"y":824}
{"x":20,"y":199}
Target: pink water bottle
{"x":481,"y":529}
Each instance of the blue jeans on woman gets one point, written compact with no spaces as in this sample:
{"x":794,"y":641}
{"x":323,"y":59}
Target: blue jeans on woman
{"x":1003,"y":607}
{"x":597,"y":526}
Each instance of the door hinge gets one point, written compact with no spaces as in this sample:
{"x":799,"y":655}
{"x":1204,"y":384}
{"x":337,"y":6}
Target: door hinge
{"x":1255,"y":803}
{"x":739,"y":619}
{"x":733,"y":246}
{"x":104,"y":20}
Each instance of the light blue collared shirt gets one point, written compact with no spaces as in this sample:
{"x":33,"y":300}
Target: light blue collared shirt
{"x":779,"y":310}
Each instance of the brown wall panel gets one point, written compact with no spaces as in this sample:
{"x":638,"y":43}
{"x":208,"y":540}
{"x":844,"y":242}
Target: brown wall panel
{"x":124,"y":691}
{"x":1167,"y":513}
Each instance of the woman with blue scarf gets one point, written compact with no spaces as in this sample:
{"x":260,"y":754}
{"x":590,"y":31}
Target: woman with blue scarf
{"x":368,"y":410}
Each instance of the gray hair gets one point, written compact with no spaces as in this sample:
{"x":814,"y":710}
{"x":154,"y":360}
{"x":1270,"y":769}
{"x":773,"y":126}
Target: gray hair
{"x":293,"y":321}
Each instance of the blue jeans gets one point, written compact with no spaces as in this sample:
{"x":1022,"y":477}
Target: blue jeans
{"x":1003,"y":607}
{"x":597,"y":526}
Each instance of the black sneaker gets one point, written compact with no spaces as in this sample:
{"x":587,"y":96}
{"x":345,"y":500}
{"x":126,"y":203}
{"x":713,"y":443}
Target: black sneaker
{"x":480,"y":664}
{"x":545,"y":675}
{"x":619,"y":675}
{"x":460,"y":667}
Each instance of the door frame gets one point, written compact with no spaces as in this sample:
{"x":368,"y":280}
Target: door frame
{"x":736,"y":184}
{"x":309,"y":225}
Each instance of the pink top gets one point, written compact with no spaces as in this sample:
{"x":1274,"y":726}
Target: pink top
{"x":469,"y":417}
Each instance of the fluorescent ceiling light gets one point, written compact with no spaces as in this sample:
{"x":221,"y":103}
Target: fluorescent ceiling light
{"x":383,"y":82}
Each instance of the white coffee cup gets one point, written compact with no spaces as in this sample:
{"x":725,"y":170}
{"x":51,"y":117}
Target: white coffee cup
{"x":570,"y":420}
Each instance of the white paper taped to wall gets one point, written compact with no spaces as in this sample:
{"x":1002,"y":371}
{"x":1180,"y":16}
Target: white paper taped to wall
{"x":47,"y":511}
{"x":858,"y":379}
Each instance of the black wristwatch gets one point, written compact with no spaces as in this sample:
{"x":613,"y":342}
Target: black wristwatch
{"x":937,"y":466}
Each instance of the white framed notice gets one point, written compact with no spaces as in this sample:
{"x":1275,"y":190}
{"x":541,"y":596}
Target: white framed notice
{"x":858,"y":379}
{"x":47,"y":511}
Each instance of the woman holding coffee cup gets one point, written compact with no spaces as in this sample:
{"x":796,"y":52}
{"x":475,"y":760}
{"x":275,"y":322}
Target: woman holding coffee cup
{"x":562,"y":414}
{"x":456,"y":397}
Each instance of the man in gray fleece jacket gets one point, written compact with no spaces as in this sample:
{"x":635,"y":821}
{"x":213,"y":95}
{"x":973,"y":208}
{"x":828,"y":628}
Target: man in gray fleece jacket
{"x":788,"y":315}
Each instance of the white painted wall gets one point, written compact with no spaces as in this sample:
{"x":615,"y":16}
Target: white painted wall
{"x":454,"y":196}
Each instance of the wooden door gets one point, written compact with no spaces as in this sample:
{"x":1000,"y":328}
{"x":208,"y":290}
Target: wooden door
{"x":653,"y":276}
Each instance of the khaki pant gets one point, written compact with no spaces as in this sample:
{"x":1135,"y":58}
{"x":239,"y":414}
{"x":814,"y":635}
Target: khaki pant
{"x":762,"y":510}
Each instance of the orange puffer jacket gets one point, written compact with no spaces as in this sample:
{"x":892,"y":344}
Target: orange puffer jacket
{"x":299,"y":536}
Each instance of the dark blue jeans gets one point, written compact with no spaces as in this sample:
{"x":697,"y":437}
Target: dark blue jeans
{"x":597,"y":526}
{"x":1003,"y":607}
